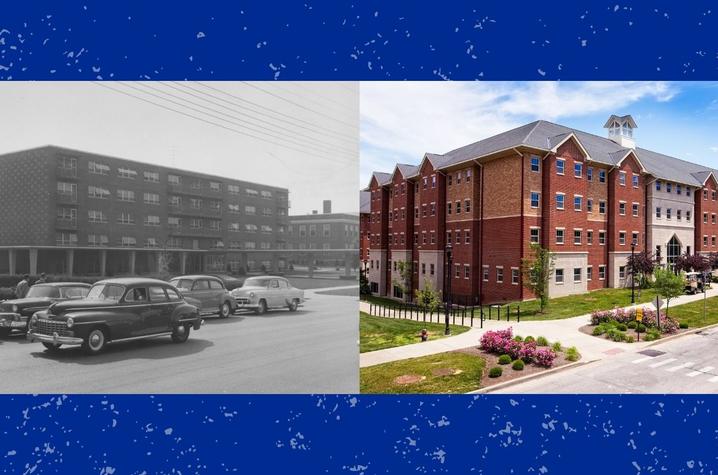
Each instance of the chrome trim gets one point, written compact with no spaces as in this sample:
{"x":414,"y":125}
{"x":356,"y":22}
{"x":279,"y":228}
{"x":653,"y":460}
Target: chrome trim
{"x":54,"y":338}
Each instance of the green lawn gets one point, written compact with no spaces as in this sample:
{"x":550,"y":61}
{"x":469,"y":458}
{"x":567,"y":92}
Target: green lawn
{"x":466,"y":375}
{"x":386,"y":301}
{"x":574,"y":305}
{"x":377,"y":333}
{"x":692,"y":313}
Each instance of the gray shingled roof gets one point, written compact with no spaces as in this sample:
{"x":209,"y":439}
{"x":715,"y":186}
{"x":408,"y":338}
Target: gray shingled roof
{"x":365,"y":201}
{"x":407,"y":170}
{"x":382,"y":178}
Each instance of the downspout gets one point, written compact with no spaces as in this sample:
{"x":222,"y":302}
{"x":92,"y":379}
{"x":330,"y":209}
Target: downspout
{"x":521,"y":224}
{"x":481,"y":233}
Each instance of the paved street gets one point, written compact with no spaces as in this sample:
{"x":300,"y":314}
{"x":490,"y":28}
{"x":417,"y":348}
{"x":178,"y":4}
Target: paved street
{"x":685,"y":365}
{"x":314,"y":350}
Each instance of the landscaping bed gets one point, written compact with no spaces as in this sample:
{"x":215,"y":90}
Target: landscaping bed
{"x":378,"y":333}
{"x":468,"y":369}
{"x":621,"y":326}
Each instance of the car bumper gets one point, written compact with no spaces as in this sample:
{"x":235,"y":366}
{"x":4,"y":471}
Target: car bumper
{"x":12,"y":320}
{"x":54,"y":338}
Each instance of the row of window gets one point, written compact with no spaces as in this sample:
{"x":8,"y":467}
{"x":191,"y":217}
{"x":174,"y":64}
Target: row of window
{"x":679,"y":214}
{"x":713,"y":218}
{"x":559,"y":274}
{"x":102,"y":240}
{"x":705,"y":241}
{"x":578,"y":237}
{"x":669,"y":187}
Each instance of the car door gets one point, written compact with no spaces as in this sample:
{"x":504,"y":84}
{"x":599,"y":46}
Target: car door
{"x":216,"y":292}
{"x":273,"y":293}
{"x":201,"y":291}
{"x":159,"y":318}
{"x":138,"y":311}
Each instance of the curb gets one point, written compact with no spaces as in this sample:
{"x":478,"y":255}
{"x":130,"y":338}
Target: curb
{"x":674,"y":337}
{"x":529,"y":377}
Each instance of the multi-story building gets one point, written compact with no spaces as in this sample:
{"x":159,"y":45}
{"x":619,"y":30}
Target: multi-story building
{"x":590,"y":200}
{"x":326,"y":231}
{"x":71,"y":212}
{"x":364,"y":222}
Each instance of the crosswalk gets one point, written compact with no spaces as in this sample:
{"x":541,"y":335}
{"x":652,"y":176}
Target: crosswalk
{"x":672,"y":365}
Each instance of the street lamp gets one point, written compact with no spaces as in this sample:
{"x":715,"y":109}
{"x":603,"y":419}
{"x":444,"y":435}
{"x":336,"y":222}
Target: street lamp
{"x":447,"y":331}
{"x":633,"y":271}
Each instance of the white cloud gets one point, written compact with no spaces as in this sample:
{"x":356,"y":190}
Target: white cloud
{"x":400,"y":121}
{"x":713,"y":149}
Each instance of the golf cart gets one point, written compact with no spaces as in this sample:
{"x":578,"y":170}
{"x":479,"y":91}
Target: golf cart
{"x":694,"y":282}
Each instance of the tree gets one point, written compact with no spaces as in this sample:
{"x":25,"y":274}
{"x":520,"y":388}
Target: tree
{"x":429,"y":297}
{"x":404,"y":281}
{"x":538,"y":271}
{"x":364,"y":288}
{"x":692,"y":262}
{"x":668,"y":285}
{"x":642,"y":264}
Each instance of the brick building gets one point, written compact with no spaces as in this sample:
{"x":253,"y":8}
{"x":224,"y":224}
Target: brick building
{"x":364,"y":221}
{"x":585,"y":198}
{"x":70,"y":212}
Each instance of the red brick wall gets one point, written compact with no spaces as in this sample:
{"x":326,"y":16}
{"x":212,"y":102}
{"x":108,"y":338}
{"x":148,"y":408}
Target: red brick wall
{"x":629,"y":194}
{"x":709,"y":206}
{"x":500,"y":248}
{"x":364,"y":235}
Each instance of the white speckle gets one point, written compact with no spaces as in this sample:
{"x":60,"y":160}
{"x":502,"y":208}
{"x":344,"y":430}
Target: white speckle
{"x":168,"y":431}
{"x":541,"y":72}
{"x":200,"y":34}
{"x":11,"y":453}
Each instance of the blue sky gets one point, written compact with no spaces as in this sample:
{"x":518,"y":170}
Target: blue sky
{"x":402,"y":120}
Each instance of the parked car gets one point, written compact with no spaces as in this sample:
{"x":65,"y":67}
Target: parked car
{"x":265,"y":292}
{"x":210,"y":291}
{"x":230,"y":282}
{"x":115,"y":309}
{"x":15,"y":314}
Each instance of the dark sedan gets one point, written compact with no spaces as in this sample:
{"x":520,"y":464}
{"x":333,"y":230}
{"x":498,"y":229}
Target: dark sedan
{"x":15,"y":314}
{"x":116,"y":309}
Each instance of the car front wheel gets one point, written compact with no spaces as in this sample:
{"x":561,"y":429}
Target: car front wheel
{"x":262,"y":307}
{"x":95,"y":341}
{"x":180,"y":334}
{"x":225,"y":310}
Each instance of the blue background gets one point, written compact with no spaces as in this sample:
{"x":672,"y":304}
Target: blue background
{"x":358,"y":434}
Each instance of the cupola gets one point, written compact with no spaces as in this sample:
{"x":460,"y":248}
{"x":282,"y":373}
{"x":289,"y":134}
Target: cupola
{"x":620,"y":130}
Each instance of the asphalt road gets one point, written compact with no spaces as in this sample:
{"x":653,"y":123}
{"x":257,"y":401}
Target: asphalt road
{"x":314,"y":350}
{"x":688,"y":364}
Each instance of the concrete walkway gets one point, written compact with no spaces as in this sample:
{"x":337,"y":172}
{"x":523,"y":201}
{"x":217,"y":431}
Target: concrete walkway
{"x":564,"y":330}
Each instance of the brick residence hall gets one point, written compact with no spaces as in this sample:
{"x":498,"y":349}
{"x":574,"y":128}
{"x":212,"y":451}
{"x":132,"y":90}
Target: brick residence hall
{"x":585,"y":198}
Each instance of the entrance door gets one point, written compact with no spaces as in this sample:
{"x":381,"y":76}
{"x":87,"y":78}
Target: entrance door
{"x":673,"y":251}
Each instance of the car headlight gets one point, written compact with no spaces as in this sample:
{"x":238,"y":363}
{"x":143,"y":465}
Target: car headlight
{"x":251,"y":294}
{"x":70,"y":322}
{"x":33,"y":319}
{"x":14,"y":308}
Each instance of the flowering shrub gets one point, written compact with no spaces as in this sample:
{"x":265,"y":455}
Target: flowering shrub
{"x":619,"y":315}
{"x":502,"y":342}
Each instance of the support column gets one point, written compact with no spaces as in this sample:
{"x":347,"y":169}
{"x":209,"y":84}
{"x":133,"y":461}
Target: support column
{"x":183,"y":263}
{"x":310,"y":264}
{"x":347,"y":264}
{"x":12,"y":261}
{"x":33,"y":261}
{"x":132,"y":262}
{"x":70,"y":261}
{"x":159,"y":258}
{"x":103,"y":263}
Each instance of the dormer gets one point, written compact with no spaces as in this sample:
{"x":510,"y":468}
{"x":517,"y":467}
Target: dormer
{"x":620,"y":130}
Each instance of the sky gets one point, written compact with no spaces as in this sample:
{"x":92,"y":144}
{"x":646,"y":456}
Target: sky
{"x":301,"y":136}
{"x":400,"y":121}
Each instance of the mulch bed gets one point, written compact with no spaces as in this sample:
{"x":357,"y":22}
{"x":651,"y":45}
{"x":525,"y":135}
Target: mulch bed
{"x":509,"y":373}
{"x":588,"y":330}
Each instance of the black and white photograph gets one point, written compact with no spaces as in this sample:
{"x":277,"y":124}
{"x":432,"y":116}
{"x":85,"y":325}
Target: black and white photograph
{"x":179,"y":237}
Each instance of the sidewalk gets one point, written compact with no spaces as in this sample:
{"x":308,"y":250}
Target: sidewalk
{"x":563,"y":330}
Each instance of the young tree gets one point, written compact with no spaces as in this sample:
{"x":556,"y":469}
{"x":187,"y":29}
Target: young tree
{"x":538,"y":271}
{"x":404,"y":281}
{"x":364,"y":288}
{"x":429,"y":297}
{"x":642,"y":265}
{"x":668,"y":285}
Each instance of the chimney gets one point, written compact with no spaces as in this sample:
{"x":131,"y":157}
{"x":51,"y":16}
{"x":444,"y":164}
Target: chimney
{"x":327,"y":206}
{"x":620,"y":130}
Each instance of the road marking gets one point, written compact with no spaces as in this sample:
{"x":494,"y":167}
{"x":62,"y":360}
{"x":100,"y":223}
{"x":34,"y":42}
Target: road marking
{"x":676,"y":368}
{"x":664,"y":362}
{"x":693,"y":374}
{"x":714,"y":379}
{"x":641,"y":360}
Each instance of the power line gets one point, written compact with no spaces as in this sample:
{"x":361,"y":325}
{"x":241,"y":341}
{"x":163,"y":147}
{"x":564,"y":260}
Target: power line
{"x":253,"y":129}
{"x":311,"y":124}
{"x":302,"y":106}
{"x":240,"y":132}
{"x":271,"y":124}
{"x":303,"y":90}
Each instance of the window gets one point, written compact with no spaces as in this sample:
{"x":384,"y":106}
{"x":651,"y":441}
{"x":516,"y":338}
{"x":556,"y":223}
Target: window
{"x":467,"y":237}
{"x":634,"y":238}
{"x":195,"y":223}
{"x":634,"y":181}
{"x":97,"y":192}
{"x":449,"y":180}
{"x":559,"y":276}
{"x":152,"y":177}
{"x":458,"y":237}
{"x":423,"y":268}
{"x":152,"y":220}
{"x":173,"y":222}
{"x":458,"y":207}
{"x":688,"y":191}
{"x":534,"y":235}
{"x":467,"y":206}
{"x":602,"y":207}
{"x":125,"y":218}
{"x":468,"y":175}
{"x":589,"y":205}
{"x":535,"y":199}
{"x":151,"y":242}
{"x":622,"y":178}
{"x":622,"y":238}
{"x":515,"y":276}
{"x":668,"y":213}
{"x":485,"y":273}
{"x":433,"y":181}
{"x":458,"y":177}
{"x":622,"y":208}
{"x":577,"y":237}
{"x":95,"y":240}
{"x":602,"y":176}
{"x":67,"y":189}
{"x":448,"y":208}
{"x":560,"y":166}
{"x":589,"y":237}
{"x":705,"y":218}
{"x":602,"y":238}
{"x":535,"y":163}
{"x":128,"y":241}
{"x":713,"y":218}
{"x":635,"y":209}
{"x":215,"y":186}
{"x":431,"y":269}
{"x":233,"y":189}
{"x":577,"y":274}
{"x":658,"y":185}
{"x":173,"y":179}
{"x":559,"y":200}
{"x":578,"y":170}
{"x":678,"y":214}
{"x":127,"y":173}
{"x":688,"y":215}
{"x":678,"y":189}
{"x":467,"y":271}
{"x":559,"y":235}
{"x":589,"y":173}
{"x":94,"y":216}
{"x":195,"y":203}
{"x":98,"y":168}
{"x":668,"y":187}
{"x":601,"y":272}
{"x":622,"y":272}
{"x":175,"y":201}
{"x":577,"y":203}
{"x":658,"y":212}
{"x":152,"y":198}
{"x":126,"y":195}
{"x":499,"y":275}
{"x":589,"y":273}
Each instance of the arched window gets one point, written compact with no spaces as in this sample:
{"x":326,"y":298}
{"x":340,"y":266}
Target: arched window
{"x":673,"y":251}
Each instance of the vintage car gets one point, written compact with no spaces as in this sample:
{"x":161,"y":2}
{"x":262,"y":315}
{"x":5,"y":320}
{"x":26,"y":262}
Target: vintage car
{"x":115,"y":309}
{"x":265,"y":292}
{"x":15,"y":314}
{"x":209,"y":291}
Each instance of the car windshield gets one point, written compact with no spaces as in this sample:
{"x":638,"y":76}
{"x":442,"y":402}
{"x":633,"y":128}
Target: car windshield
{"x":184,"y":284}
{"x":74,"y":292}
{"x":256,"y":282}
{"x":106,"y":292}
{"x":43,"y":291}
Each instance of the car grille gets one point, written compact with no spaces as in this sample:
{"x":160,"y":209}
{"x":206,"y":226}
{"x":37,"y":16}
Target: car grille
{"x":242,"y":300}
{"x":5,"y":307}
{"x":49,"y":327}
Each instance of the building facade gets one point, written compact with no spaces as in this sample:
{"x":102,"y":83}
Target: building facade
{"x":71,"y":212}
{"x":589,"y":200}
